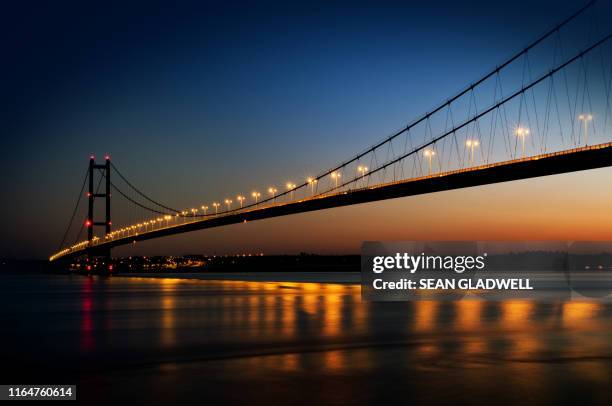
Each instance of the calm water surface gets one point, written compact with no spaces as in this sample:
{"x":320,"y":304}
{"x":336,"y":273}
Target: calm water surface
{"x":292,"y":342}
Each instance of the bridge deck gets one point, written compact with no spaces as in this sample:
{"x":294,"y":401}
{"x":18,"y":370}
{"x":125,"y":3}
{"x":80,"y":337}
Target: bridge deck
{"x":572,"y":160}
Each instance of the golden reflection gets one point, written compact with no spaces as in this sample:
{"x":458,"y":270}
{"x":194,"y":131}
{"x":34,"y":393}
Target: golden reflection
{"x":332,"y":314}
{"x":428,"y":350}
{"x":276,"y":305}
{"x":425,"y":312}
{"x":524,"y":346}
{"x":288,"y":316}
{"x":516,"y":313}
{"x":270,"y":311}
{"x":168,"y":319}
{"x":468,"y":314}
{"x":309,"y":303}
{"x":474,"y":347}
{"x":579,"y":313}
{"x":253,"y":313}
{"x":334,"y":360}
{"x":289,"y":362}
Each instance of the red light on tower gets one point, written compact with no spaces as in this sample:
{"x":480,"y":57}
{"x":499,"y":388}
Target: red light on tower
{"x":88,"y":223}
{"x":92,"y":157}
{"x":107,"y":157}
{"x":110,"y":267}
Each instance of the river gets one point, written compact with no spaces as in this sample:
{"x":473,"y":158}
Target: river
{"x":178,"y":340}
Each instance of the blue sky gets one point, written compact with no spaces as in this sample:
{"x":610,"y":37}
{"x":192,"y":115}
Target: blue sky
{"x":198,"y":100}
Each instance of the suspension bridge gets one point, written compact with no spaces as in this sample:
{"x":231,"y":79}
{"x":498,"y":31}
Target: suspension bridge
{"x":545,"y":110}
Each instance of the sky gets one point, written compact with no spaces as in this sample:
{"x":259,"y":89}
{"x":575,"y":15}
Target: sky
{"x":195,"y":101}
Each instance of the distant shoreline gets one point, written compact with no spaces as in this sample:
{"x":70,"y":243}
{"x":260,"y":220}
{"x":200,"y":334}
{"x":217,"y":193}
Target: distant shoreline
{"x":331,"y":277}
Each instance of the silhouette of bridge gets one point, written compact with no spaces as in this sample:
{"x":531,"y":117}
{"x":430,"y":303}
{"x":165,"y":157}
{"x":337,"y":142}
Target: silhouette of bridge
{"x":557,"y":119}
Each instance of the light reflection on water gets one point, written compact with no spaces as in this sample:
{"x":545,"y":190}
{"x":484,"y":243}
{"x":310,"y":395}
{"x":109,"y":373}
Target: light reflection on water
{"x":182,"y":311}
{"x":154,"y":332}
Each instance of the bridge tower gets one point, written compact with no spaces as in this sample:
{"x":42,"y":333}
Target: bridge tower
{"x":93,"y":194}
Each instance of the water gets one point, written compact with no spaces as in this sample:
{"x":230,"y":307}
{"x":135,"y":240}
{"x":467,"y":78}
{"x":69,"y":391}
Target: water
{"x":290,"y":342}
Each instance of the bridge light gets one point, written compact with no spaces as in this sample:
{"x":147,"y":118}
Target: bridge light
{"x":228,"y":202}
{"x":291,"y":187}
{"x":363,"y":170}
{"x":335,"y":176}
{"x":522,"y":132}
{"x":585,"y":118}
{"x":107,"y":158}
{"x":205,"y":209}
{"x":272,"y":190}
{"x":240,"y":198}
{"x":88,"y":223}
{"x":429,"y":153}
{"x":256,"y":196}
{"x":216,"y":206}
{"x":311,"y":182}
{"x":471,"y":144}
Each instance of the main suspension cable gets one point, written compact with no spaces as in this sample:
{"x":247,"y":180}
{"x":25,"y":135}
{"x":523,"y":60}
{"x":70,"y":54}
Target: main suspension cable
{"x":141,"y":193}
{"x":74,"y":212}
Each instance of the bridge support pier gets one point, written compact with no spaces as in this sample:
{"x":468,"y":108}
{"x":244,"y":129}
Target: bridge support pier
{"x":105,"y":170}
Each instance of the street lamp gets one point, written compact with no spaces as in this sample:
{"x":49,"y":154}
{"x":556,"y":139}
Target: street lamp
{"x":311,"y":182}
{"x":522,"y":132}
{"x":216,"y":206}
{"x":362,"y":170}
{"x":429,"y":153}
{"x":256,"y":196}
{"x":335,"y":176}
{"x":167,"y":218}
{"x":193,"y":212}
{"x":272,"y":190}
{"x":291,"y":187}
{"x":471,"y":144}
{"x":228,"y":202}
{"x":585,"y":118}
{"x":205,"y":209}
{"x":240,"y":198}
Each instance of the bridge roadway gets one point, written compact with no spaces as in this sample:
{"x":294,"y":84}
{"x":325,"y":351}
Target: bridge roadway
{"x":577,"y":159}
